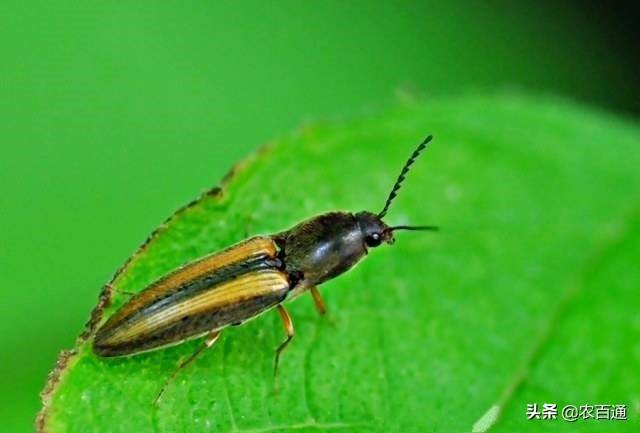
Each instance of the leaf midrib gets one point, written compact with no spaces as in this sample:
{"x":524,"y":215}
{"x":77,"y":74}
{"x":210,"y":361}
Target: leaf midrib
{"x":575,"y":284}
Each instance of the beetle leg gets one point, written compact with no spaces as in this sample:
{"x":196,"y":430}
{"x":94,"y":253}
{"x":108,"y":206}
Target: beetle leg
{"x":318,"y":301}
{"x":288,"y":327}
{"x":115,"y":289}
{"x":207,"y":343}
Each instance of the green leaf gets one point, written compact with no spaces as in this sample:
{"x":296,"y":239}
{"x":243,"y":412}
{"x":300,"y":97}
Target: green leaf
{"x":528,"y":295}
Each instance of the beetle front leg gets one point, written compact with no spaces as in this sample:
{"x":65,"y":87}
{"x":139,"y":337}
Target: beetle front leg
{"x":288,"y":327}
{"x":207,"y":343}
{"x":318,"y":301}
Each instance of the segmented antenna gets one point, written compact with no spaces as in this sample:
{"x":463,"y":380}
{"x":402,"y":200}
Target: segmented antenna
{"x":416,"y":228}
{"x":403,"y":174}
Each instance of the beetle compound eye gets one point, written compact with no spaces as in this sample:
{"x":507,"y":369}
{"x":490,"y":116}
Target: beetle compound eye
{"x":373,"y":240}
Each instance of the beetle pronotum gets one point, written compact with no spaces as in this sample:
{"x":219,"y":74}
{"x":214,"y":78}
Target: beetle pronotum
{"x":236,"y":284}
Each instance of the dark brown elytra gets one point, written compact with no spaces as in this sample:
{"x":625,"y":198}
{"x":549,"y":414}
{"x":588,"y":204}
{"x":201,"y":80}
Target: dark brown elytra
{"x":253,"y":276}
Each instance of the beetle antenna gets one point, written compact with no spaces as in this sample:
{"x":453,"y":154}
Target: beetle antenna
{"x":403,"y":174}
{"x":416,"y":228}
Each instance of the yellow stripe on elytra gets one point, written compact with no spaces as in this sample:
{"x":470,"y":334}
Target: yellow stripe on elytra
{"x":260,"y":246}
{"x":244,"y":288}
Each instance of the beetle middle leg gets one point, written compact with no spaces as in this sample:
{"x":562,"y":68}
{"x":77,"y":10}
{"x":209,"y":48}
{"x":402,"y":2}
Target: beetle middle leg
{"x":207,"y":343}
{"x":288,"y":327}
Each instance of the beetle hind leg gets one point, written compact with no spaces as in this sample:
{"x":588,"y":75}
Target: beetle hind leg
{"x":209,"y":341}
{"x":114,"y":289}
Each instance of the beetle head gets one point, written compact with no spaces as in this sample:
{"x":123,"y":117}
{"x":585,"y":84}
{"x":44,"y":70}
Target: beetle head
{"x":374,"y":230}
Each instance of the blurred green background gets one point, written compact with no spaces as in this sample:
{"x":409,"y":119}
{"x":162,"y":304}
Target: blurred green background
{"x":113,"y":114}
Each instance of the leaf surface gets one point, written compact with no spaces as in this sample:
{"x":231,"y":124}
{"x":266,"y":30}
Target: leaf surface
{"x":528,"y":295}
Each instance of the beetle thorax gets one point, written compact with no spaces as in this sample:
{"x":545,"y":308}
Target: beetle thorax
{"x":323,"y":247}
